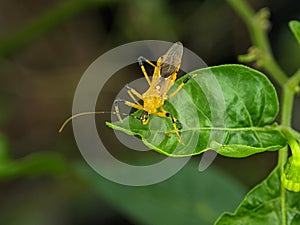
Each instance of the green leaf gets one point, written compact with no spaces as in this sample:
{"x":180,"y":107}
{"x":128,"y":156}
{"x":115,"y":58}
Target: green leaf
{"x":262,"y":205}
{"x":295,"y":28}
{"x":35,"y":164}
{"x":225,"y":108}
{"x":3,"y":149}
{"x":189,"y":197}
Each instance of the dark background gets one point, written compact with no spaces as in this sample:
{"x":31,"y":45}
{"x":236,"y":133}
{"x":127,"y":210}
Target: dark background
{"x":42,"y":62}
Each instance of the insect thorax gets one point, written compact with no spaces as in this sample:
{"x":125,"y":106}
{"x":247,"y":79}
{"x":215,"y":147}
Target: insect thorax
{"x":151,"y":103}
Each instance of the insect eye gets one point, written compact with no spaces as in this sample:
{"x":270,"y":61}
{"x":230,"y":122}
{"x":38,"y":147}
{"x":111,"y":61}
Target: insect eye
{"x":144,"y":117}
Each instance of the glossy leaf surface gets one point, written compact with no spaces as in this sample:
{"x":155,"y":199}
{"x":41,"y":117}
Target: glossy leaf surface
{"x":262,"y":205}
{"x":225,"y":108}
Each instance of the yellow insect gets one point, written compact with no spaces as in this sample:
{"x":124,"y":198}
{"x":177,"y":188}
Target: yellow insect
{"x":164,"y":76}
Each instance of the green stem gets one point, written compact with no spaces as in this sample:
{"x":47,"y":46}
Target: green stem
{"x":257,"y":24}
{"x":287,"y":106}
{"x":243,"y":9}
{"x":294,"y":145}
{"x":295,"y":134}
{"x":286,"y":118}
{"x":258,"y":33}
{"x":296,"y":77}
{"x":294,"y":81}
{"x":272,"y":67}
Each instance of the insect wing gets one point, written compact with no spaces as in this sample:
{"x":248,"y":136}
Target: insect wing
{"x":165,"y":85}
{"x":171,"y":59}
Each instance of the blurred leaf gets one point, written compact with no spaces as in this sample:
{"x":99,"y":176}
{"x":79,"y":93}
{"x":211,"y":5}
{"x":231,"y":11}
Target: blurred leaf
{"x":3,"y":149}
{"x":189,"y":197}
{"x":36,"y":164}
{"x":135,"y":19}
{"x":295,"y":27}
{"x":289,"y":53}
{"x":45,"y":23}
{"x":225,"y":108}
{"x":262,"y":205}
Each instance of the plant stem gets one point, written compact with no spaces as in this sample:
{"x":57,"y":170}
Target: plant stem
{"x":256,"y":24}
{"x":295,"y":134}
{"x":286,"y":117}
{"x":293,"y":82}
{"x":272,"y":67}
{"x":243,"y":9}
{"x":287,"y":106}
{"x":258,"y":31}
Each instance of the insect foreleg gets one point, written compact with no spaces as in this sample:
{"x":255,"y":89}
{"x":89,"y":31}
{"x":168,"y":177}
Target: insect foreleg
{"x":131,"y":92}
{"x":117,"y":111}
{"x":141,"y":61}
{"x":133,"y":105}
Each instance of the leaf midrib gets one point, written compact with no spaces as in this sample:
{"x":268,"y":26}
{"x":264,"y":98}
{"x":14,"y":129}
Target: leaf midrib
{"x":224,"y":129}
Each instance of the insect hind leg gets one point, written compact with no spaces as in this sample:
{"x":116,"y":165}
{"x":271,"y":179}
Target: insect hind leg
{"x":132,"y":92}
{"x":177,"y":125}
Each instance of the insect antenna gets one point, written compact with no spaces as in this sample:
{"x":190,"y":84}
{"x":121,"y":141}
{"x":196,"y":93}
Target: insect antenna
{"x":87,"y":113}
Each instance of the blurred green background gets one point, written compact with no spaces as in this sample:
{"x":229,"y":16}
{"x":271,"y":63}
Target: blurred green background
{"x":45,"y":46}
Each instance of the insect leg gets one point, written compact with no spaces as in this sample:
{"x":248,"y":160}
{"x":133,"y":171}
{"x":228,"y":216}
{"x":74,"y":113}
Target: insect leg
{"x":141,"y":61}
{"x":131,"y":92}
{"x":180,"y":86}
{"x":133,"y":105}
{"x":177,"y":125}
{"x":117,"y":111}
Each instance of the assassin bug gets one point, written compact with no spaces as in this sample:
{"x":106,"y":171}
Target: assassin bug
{"x":164,"y":77}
